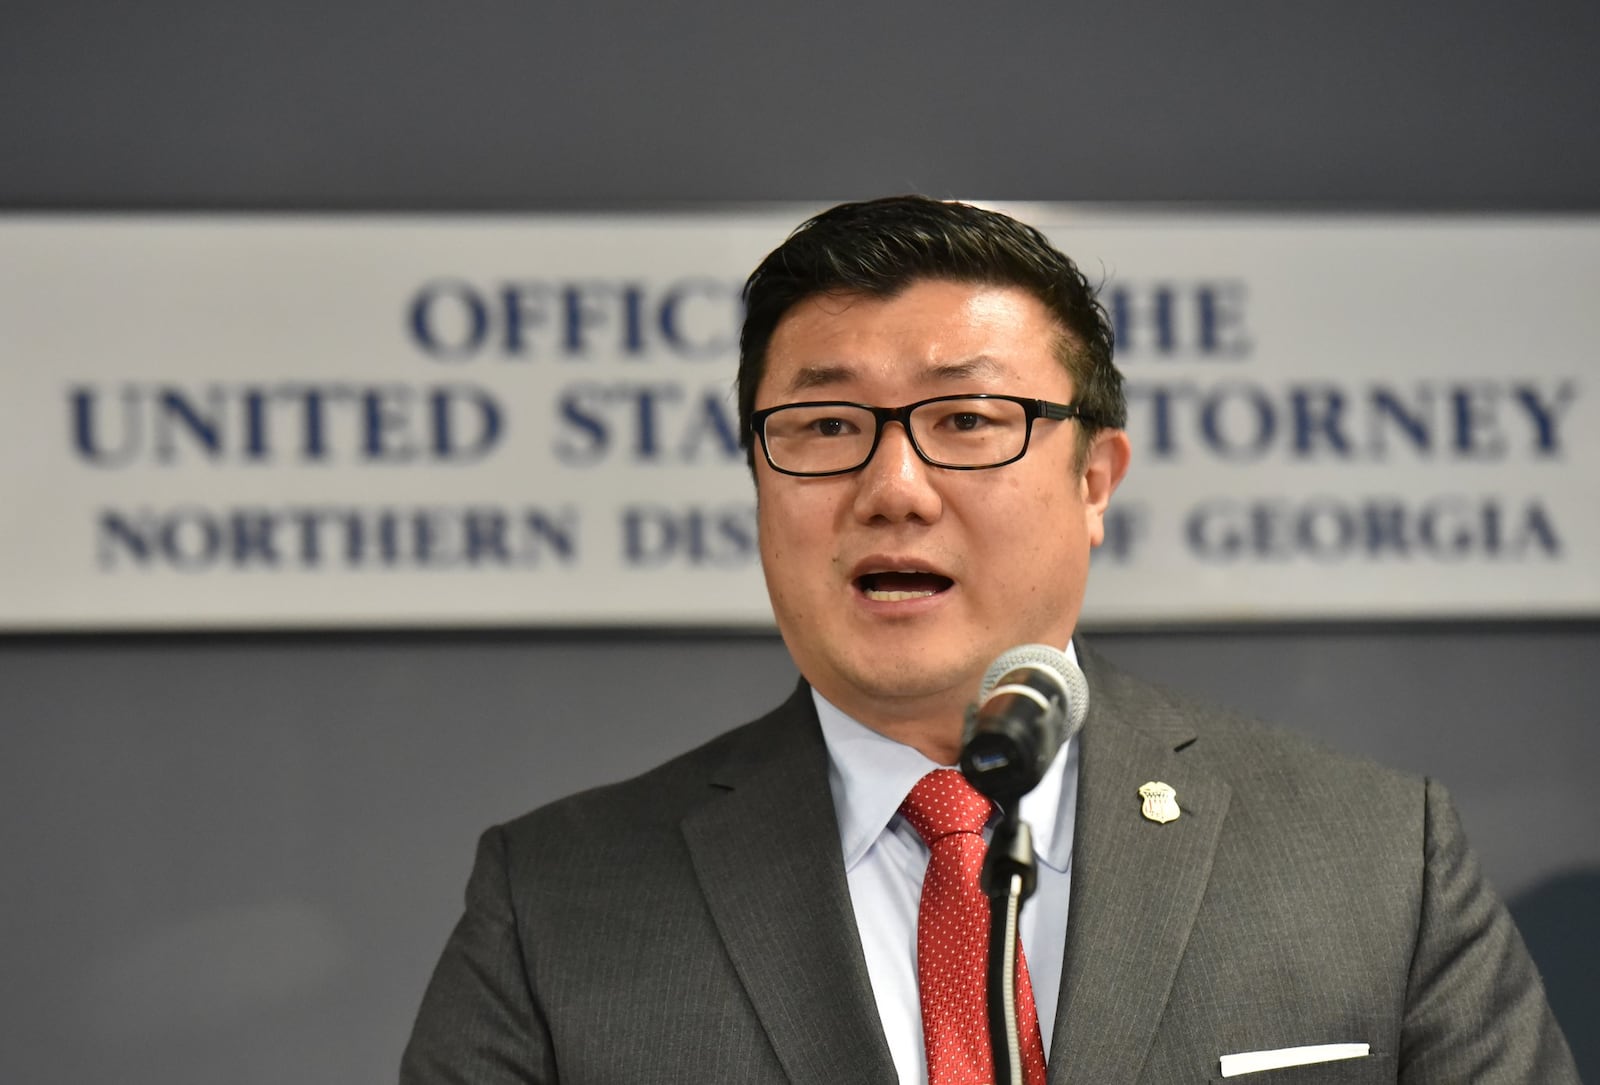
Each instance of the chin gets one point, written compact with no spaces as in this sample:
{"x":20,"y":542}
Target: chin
{"x":909,"y":675}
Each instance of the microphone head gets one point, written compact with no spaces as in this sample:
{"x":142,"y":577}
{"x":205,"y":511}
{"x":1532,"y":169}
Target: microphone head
{"x":1053,"y":663}
{"x":1031,"y":702}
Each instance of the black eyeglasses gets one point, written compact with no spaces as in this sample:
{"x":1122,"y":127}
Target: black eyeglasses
{"x":962,"y":433}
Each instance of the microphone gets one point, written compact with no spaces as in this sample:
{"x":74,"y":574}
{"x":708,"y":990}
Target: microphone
{"x":1031,"y":701}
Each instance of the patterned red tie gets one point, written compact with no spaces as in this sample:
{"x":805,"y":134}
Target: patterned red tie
{"x":953,"y":938}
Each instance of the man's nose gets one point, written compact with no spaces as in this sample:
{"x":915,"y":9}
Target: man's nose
{"x":895,"y":484}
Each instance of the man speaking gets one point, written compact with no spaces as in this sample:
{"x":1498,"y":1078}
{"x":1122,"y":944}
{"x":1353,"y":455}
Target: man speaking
{"x":934,"y":422}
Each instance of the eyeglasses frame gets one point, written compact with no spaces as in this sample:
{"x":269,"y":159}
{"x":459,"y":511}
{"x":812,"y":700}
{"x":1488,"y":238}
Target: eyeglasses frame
{"x":1032,"y":409}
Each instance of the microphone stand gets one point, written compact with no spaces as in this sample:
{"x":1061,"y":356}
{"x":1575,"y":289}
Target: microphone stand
{"x":1008,"y":878}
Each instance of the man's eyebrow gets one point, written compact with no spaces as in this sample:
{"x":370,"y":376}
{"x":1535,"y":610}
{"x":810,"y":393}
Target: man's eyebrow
{"x":822,"y":376}
{"x":819,"y":376}
{"x":979,"y":365}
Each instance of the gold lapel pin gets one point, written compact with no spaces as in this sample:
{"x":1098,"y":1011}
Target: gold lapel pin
{"x":1160,"y":802}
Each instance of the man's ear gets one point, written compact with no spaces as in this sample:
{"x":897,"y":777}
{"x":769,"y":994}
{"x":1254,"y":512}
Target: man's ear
{"x":1104,"y":465}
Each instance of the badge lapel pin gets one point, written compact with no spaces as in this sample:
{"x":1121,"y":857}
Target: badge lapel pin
{"x":1160,"y":802}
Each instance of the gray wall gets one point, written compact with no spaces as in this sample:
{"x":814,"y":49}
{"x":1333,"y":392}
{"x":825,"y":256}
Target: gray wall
{"x":234,"y":858}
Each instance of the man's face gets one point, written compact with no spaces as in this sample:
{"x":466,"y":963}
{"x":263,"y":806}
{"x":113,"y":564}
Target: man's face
{"x":896,"y":586}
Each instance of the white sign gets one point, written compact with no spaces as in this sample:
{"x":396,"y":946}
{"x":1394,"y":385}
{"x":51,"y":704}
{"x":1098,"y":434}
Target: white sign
{"x":307,"y":421}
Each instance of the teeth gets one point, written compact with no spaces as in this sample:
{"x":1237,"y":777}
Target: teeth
{"x":896,"y":596}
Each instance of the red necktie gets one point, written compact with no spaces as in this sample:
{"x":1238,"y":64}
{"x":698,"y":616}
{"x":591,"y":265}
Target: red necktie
{"x":953,"y":938}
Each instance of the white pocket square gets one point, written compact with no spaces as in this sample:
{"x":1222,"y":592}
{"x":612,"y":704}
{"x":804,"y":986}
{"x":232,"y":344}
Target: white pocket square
{"x":1252,"y":1062}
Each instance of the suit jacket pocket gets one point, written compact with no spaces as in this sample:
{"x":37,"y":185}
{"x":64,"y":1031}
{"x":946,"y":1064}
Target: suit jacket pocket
{"x":1371,"y":1068}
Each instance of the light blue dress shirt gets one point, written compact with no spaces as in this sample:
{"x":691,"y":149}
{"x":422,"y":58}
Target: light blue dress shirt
{"x":885,"y":860}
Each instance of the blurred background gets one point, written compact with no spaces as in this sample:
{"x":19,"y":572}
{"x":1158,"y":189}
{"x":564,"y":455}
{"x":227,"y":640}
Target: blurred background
{"x":235,"y":857}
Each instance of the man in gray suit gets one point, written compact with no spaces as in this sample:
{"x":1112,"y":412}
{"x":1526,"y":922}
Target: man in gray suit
{"x":748,"y":912}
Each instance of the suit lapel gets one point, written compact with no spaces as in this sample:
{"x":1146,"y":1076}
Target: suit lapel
{"x":765,"y":849}
{"x":1136,"y":885}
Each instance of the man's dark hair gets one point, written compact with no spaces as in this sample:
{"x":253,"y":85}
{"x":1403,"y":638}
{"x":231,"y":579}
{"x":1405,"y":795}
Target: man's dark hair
{"x":880,"y":247}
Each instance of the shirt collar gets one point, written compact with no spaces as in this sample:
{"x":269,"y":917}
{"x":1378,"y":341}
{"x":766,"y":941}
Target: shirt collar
{"x":870,"y":775}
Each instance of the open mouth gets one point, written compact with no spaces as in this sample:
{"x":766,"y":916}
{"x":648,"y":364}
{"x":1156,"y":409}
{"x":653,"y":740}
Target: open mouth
{"x":895,"y":587}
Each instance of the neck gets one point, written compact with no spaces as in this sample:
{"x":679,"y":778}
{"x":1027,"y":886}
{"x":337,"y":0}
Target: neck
{"x":932,"y":730}
{"x":937,"y":742}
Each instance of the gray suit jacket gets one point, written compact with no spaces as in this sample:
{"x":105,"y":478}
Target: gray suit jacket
{"x":694,"y":924}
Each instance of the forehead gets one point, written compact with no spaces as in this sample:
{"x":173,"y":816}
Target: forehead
{"x":932,"y":334}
